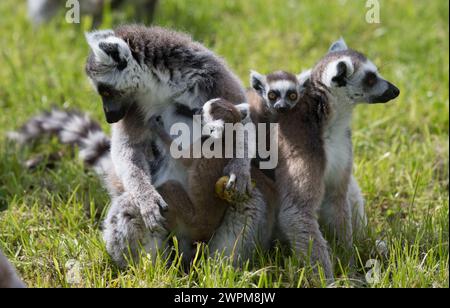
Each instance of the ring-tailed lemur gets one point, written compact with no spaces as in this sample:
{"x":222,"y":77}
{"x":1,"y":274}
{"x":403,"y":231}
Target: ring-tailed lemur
{"x":348,"y":78}
{"x":40,"y":11}
{"x":301,"y":114}
{"x":8,"y":275}
{"x":142,"y":72}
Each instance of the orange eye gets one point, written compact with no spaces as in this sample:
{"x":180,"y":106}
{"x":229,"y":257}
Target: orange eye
{"x":293,"y":96}
{"x":272,"y":96}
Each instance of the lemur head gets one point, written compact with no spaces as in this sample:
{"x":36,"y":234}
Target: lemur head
{"x":114,"y":72}
{"x":350,"y":76}
{"x":216,"y":112}
{"x":280,"y":90}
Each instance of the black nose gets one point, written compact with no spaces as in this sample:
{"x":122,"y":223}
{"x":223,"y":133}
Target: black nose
{"x":282,"y":108}
{"x":395,"y":91}
{"x":244,"y":113}
{"x":391,"y":93}
{"x":113,"y":116}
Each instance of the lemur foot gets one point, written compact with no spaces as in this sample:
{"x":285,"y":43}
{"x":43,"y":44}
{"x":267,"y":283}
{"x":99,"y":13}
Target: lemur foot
{"x":239,"y":178}
{"x":151,"y":207}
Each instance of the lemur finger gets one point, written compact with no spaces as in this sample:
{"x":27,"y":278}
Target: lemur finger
{"x":163,"y":205}
{"x":231,"y":182}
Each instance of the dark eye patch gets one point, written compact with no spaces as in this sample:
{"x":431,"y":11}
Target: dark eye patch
{"x":370,"y":79}
{"x":273,"y":95}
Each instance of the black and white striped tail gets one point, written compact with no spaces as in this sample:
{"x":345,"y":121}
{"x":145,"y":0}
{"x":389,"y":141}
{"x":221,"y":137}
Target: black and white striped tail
{"x":71,"y":127}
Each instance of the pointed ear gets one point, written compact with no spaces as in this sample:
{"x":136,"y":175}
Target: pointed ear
{"x":337,"y":72}
{"x":108,"y":49}
{"x":304,"y":78}
{"x":244,"y":109}
{"x":258,"y":82}
{"x":339,"y":45}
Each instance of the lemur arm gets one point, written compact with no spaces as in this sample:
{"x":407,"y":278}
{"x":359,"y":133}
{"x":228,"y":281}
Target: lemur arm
{"x":128,"y":152}
{"x":239,"y":169}
{"x":157,"y":127}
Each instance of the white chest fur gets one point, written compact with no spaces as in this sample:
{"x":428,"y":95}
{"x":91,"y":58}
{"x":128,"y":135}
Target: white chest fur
{"x":338,"y":147}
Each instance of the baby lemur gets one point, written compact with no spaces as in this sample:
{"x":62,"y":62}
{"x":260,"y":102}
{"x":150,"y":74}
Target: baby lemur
{"x":301,"y":114}
{"x":200,"y":211}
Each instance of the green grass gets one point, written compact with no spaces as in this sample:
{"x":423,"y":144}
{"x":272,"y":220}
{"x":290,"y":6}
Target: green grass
{"x":53,"y":216}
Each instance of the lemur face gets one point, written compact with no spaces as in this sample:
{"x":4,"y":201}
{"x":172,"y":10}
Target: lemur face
{"x":350,"y":74}
{"x":216,"y":112}
{"x":280,"y":90}
{"x":114,"y":73}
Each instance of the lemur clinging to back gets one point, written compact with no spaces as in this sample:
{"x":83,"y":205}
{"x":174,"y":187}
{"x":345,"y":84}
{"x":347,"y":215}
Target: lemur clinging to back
{"x":301,"y":114}
{"x":201,"y":211}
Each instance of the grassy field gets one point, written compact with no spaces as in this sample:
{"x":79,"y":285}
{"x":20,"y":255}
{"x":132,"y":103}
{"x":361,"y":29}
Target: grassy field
{"x":50,"y":220}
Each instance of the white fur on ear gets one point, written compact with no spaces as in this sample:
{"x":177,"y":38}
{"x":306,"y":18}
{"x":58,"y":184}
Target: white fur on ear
{"x":97,"y":40}
{"x":331,"y":70}
{"x":303,"y":77}
{"x":339,"y":45}
{"x":257,"y":81}
{"x":93,"y":38}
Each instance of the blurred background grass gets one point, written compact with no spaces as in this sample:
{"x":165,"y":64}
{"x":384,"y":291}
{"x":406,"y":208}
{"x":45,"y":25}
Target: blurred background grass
{"x":401,"y":148}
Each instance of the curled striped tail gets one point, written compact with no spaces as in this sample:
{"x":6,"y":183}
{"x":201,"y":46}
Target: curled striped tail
{"x":73,"y":128}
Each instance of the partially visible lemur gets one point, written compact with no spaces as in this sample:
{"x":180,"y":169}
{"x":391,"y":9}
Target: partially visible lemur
{"x":8,"y":275}
{"x":348,"y":78}
{"x":143,"y":72}
{"x":301,"y":115}
{"x":41,"y":11}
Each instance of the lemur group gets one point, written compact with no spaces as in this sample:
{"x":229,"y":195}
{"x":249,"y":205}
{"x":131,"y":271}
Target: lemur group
{"x":151,"y":78}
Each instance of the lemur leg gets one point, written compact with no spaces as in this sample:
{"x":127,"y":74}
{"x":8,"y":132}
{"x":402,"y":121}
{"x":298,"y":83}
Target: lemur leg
{"x":300,"y":227}
{"x":243,"y":230}
{"x":181,"y":210}
{"x":125,"y":232}
{"x":336,"y":215}
{"x":356,"y":204}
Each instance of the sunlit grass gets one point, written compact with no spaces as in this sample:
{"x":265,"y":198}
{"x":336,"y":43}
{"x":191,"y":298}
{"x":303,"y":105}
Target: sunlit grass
{"x":51,"y":226}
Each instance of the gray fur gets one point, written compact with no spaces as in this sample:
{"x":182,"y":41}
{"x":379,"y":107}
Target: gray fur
{"x":142,"y":72}
{"x":300,"y":172}
{"x":342,"y":210}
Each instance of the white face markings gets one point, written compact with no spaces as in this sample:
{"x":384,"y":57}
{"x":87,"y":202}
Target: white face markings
{"x":361,"y":83}
{"x":331,"y":70}
{"x":284,"y":92}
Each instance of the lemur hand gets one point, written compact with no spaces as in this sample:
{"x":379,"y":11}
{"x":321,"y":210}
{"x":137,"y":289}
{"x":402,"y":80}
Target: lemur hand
{"x":151,"y":206}
{"x":240,"y":178}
